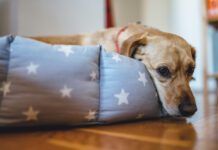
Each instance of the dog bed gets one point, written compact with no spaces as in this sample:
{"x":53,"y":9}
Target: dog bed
{"x":42,"y":84}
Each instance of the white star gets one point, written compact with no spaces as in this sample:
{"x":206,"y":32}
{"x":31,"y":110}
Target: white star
{"x":91,"y":115}
{"x":32,"y":68}
{"x":31,"y":114}
{"x":142,"y":78}
{"x":66,"y":91}
{"x":5,"y":87}
{"x":93,"y":75}
{"x":122,"y":97}
{"x":116,"y":57}
{"x":140,"y":116}
{"x":66,"y":49}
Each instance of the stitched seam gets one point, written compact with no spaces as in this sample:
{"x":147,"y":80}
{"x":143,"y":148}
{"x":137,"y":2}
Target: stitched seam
{"x":10,"y":39}
{"x":99,"y":74}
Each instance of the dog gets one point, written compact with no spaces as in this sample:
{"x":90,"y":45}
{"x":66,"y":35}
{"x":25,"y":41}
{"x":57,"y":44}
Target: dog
{"x":169,"y":59}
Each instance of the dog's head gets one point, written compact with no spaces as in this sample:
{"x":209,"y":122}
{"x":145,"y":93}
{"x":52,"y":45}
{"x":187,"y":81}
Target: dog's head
{"x":171,"y":62}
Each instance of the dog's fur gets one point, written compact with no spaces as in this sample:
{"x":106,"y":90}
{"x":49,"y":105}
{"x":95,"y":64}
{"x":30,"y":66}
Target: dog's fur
{"x":155,"y":49}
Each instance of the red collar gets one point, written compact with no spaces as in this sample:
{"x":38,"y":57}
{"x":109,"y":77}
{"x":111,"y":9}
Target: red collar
{"x":117,"y":38}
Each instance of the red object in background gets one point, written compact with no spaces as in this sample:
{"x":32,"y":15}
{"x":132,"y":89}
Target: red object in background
{"x":108,"y":13}
{"x":212,"y":6}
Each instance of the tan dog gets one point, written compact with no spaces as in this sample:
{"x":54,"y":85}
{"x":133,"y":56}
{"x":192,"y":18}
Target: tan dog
{"x":169,"y":59}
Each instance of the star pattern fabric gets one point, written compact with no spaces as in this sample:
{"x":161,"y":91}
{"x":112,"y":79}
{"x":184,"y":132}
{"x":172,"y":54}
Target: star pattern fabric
{"x":32,"y":68}
{"x":126,"y":82}
{"x":31,"y":114}
{"x":142,"y":78}
{"x":66,"y":49}
{"x":122,"y":97}
{"x":66,"y":91}
{"x":140,"y":116}
{"x":70,"y":84}
{"x":116,"y":58}
{"x":5,"y":87}
{"x":93,"y":76}
{"x":91,"y":115}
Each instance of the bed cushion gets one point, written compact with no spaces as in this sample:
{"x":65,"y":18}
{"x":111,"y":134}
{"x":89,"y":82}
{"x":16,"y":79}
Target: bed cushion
{"x":45,"y":80}
{"x":43,"y":84}
{"x":4,"y":57}
{"x":127,"y":90}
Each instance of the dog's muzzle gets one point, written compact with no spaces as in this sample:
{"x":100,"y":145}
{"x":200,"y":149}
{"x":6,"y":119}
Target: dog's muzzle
{"x":187,"y":109}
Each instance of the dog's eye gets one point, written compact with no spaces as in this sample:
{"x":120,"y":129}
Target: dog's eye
{"x":164,"y":71}
{"x":190,"y":70}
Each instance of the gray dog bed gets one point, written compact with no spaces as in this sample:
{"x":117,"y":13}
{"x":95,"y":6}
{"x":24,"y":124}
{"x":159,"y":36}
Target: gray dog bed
{"x":42,"y":84}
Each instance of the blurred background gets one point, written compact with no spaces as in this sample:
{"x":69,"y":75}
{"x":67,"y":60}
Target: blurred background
{"x":187,"y":18}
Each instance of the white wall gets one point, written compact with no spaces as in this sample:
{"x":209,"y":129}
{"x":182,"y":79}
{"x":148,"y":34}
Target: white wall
{"x":4,"y":6}
{"x":52,"y":17}
{"x":187,"y":21}
{"x":126,"y":11}
{"x":7,"y":17}
{"x":155,"y":13}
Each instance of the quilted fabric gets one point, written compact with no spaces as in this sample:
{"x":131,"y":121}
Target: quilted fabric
{"x":42,"y":84}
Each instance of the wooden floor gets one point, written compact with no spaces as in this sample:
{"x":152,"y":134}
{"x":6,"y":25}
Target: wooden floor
{"x":199,"y":132}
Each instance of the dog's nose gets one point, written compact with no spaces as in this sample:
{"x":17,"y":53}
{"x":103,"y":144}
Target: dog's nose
{"x":187,"y":109}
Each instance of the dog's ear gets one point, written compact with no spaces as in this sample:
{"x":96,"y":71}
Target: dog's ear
{"x":193,"y":52}
{"x":131,"y":44}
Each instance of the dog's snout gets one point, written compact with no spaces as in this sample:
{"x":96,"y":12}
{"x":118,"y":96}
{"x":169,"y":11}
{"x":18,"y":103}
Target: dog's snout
{"x":187,"y":107}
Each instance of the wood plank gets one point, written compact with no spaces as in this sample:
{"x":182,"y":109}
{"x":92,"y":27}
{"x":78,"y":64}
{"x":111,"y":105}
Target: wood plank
{"x":197,"y":132}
